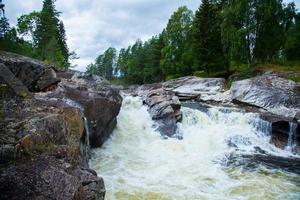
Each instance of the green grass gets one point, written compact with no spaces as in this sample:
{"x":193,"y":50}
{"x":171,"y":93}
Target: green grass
{"x":288,"y":67}
{"x":119,"y":81}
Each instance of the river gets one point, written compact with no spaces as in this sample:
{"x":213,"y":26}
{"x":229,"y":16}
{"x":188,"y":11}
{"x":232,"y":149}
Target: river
{"x":137,"y":163}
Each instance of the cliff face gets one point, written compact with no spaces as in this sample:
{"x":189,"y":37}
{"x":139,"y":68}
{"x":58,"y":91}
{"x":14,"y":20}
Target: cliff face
{"x":48,"y":120}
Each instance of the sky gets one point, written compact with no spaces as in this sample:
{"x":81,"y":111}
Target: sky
{"x":94,"y":25}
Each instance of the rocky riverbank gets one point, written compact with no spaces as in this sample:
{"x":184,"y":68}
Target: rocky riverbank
{"x":49,"y":119}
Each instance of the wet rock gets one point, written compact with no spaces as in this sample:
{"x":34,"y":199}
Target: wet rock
{"x":99,"y":102}
{"x":250,"y":162}
{"x":274,"y":94}
{"x":164,"y":107}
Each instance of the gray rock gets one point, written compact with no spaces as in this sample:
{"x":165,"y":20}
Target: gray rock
{"x":274,"y":94}
{"x":190,"y":87}
{"x":164,"y":107}
{"x":47,"y":79}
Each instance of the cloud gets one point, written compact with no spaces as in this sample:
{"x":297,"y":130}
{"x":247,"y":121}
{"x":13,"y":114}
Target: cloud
{"x":94,"y":25}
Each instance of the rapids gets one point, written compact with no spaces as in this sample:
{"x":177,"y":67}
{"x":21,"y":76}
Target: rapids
{"x":137,"y":163}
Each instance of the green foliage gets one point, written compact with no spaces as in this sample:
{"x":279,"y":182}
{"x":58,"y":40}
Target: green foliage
{"x":269,"y":30}
{"x":50,"y":38}
{"x":39,"y":35}
{"x":292,"y":46}
{"x":200,"y":73}
{"x":104,"y":64}
{"x":27,"y":25}
{"x":208,"y":51}
{"x":243,"y":71}
{"x":224,"y":37}
{"x":177,"y":52}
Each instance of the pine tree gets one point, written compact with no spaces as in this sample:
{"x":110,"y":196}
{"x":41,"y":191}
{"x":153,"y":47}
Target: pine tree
{"x":207,"y":44}
{"x":51,"y":37}
{"x":62,"y":41}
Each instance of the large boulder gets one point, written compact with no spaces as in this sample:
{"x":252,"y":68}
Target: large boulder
{"x":164,"y":108}
{"x":45,"y":139}
{"x":29,"y":71}
{"x":43,"y":153}
{"x":99,"y":102}
{"x":274,"y":94}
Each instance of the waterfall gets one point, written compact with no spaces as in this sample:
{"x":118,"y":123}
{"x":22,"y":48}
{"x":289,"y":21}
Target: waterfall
{"x":262,"y":126}
{"x":292,"y":134}
{"x":136,"y":163}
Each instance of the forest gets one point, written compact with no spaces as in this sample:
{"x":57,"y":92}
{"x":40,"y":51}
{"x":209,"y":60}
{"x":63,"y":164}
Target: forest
{"x":221,"y":36}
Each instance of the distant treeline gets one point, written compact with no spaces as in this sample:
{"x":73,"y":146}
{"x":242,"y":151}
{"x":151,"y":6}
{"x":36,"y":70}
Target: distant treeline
{"x":220,"y":34}
{"x":39,"y":35}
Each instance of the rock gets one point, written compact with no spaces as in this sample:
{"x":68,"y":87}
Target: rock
{"x":297,"y":116}
{"x":14,"y":83}
{"x":190,"y":87}
{"x":280,"y":127}
{"x":274,"y":94}
{"x":27,"y":70}
{"x":100,"y":103}
{"x":252,"y":161}
{"x":46,"y":177}
{"x":47,"y":79}
{"x":45,"y":140}
{"x":164,"y":107}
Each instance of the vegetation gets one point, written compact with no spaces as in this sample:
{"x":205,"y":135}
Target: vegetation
{"x":39,"y":35}
{"x":222,"y":37}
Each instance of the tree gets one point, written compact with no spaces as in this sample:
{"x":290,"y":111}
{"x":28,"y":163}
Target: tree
{"x":269,"y":30}
{"x":122,"y":63}
{"x":238,"y":30}
{"x":62,"y":42}
{"x":27,"y":25}
{"x":292,"y":46}
{"x":4,"y":26}
{"x":91,"y":69}
{"x":50,"y":36}
{"x":177,"y":43}
{"x":152,"y":71}
{"x":108,"y":63}
{"x":105,"y":64}
{"x":207,"y":44}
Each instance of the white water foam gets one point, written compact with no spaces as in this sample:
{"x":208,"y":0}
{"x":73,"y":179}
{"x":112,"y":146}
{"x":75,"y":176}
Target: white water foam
{"x":136,"y":163}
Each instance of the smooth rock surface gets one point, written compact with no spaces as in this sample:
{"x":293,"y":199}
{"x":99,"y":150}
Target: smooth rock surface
{"x":274,"y":94}
{"x":190,"y":87}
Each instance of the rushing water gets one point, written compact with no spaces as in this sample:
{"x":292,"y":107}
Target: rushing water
{"x":136,"y":163}
{"x":291,"y":140}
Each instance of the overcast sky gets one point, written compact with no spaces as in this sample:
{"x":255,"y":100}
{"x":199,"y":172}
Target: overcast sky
{"x":94,"y":25}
